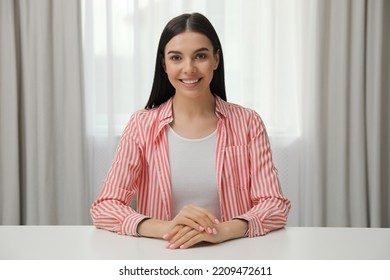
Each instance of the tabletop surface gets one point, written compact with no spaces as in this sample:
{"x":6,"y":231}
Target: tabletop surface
{"x":87,"y":242}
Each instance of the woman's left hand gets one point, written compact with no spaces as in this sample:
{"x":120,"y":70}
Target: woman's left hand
{"x":182,"y":237}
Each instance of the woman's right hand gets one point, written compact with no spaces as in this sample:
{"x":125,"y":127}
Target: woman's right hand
{"x":192,"y":216}
{"x":195,"y":217}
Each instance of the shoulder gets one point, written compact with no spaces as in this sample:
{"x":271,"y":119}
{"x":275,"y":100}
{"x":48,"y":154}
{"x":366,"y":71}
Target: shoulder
{"x":234,"y":111}
{"x":144,"y":115}
{"x":241,"y":120}
{"x":148,"y":117}
{"x":232,"y":107}
{"x":145,"y":123}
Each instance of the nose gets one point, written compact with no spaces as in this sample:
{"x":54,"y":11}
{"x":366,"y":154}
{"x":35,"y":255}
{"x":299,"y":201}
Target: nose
{"x":189,"y":67}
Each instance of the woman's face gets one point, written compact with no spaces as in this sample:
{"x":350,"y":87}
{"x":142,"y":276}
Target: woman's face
{"x":189,"y":62}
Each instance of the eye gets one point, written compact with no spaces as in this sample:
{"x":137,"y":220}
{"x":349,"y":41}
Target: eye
{"x":201,"y":56}
{"x":175,"y":58}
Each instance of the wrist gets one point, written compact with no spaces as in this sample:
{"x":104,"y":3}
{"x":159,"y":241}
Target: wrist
{"x":233,"y":229}
{"x":153,"y":228}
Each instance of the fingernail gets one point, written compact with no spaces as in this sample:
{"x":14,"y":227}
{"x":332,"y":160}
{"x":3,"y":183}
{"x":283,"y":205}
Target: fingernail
{"x":182,"y":246}
{"x":171,"y":246}
{"x":209,"y":230}
{"x":201,"y":228}
{"x":165,"y":236}
{"x":214,"y":231}
{"x":216,"y":221}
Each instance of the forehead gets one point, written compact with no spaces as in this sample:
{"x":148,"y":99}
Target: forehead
{"x":188,"y":41}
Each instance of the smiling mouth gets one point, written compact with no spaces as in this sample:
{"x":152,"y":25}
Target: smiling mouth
{"x":190,"y":82}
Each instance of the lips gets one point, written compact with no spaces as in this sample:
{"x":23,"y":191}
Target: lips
{"x":190,"y":81}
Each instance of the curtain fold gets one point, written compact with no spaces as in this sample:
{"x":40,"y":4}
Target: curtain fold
{"x":345,"y":146}
{"x":9,"y":132}
{"x":42,"y":127}
{"x":377,"y":112}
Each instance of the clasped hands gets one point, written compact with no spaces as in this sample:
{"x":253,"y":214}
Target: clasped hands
{"x":192,"y":225}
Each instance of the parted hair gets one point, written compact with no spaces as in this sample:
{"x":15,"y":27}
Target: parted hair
{"x":162,"y":89}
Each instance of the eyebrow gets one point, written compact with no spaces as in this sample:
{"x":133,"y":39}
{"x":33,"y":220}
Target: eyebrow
{"x":196,"y":51}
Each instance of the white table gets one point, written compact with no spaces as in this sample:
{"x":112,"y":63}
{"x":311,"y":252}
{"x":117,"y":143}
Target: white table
{"x":86,"y":242}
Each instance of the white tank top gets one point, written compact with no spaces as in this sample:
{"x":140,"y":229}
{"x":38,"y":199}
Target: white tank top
{"x":193,"y":172}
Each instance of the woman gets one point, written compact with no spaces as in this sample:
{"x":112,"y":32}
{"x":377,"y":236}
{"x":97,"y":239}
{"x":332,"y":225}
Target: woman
{"x":201,"y":168}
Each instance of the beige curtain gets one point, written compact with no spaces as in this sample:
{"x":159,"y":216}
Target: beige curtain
{"x":42,"y":162}
{"x":345,"y":114}
{"x":378,"y":112}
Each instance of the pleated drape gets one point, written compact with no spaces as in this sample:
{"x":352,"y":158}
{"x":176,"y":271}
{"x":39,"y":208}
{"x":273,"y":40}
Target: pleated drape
{"x":42,"y":158}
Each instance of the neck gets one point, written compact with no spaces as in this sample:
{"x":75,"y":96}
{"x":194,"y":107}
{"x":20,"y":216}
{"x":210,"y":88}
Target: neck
{"x":190,"y":108}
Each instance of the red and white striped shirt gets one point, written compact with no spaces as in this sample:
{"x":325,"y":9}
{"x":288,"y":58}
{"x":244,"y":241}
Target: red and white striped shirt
{"x":247,"y":179}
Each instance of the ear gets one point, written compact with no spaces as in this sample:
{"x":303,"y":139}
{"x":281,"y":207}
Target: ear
{"x":216,"y":57}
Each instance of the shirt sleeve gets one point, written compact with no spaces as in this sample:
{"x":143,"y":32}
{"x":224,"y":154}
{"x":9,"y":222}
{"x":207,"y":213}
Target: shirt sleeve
{"x":111,"y":210}
{"x":270,"y":208}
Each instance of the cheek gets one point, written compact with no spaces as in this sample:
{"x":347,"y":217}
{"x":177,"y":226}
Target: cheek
{"x":209,"y":67}
{"x":209,"y":70}
{"x":172,"y":73}
{"x":171,"y":70}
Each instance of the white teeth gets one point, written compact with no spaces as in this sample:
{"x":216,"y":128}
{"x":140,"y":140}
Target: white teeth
{"x":190,"y":81}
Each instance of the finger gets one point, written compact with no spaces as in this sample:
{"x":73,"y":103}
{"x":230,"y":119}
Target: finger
{"x":180,"y":233}
{"x":199,"y":238}
{"x":197,"y":218}
{"x":188,"y":221}
{"x":201,"y":212}
{"x":192,"y":241}
{"x":184,"y":238}
{"x":201,"y":217}
{"x":173,"y":232}
{"x":178,"y":230}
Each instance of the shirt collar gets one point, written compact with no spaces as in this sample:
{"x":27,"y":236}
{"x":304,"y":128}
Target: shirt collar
{"x":166,"y":112}
{"x":221,"y":107}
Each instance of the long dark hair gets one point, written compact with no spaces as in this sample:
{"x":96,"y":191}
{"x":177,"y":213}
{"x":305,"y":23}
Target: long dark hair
{"x":162,"y":89}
